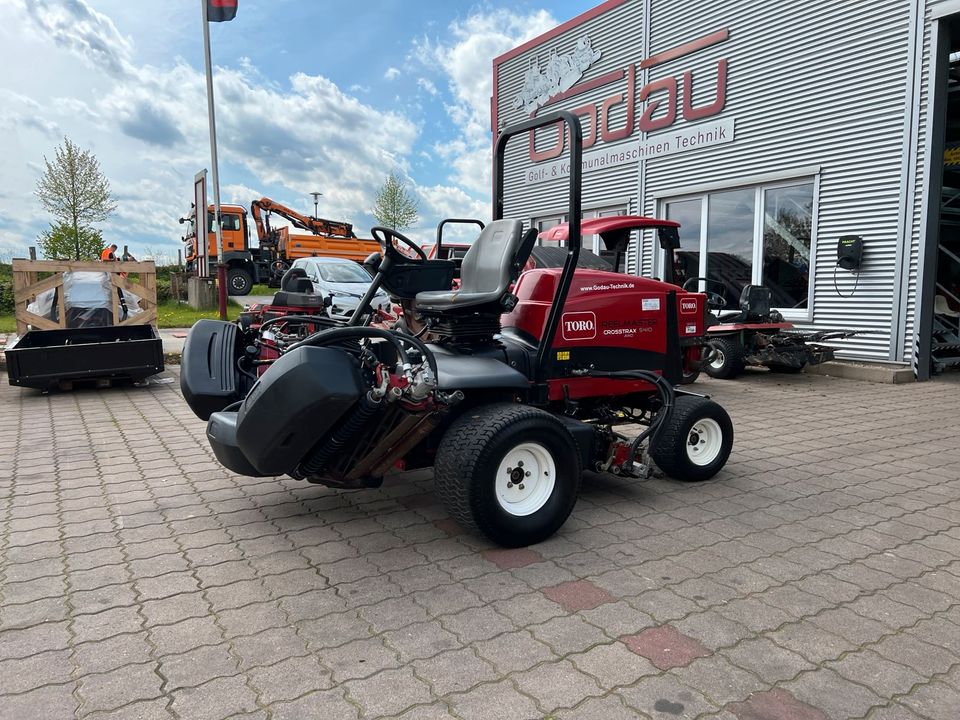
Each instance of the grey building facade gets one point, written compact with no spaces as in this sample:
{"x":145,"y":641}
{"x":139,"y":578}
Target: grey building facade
{"x":769,"y":131}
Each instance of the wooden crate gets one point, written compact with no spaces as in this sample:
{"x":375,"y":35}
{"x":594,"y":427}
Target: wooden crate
{"x":27,"y":285}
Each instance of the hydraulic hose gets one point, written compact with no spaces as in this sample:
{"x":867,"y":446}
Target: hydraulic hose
{"x":667,"y":397}
{"x":325,"y":337}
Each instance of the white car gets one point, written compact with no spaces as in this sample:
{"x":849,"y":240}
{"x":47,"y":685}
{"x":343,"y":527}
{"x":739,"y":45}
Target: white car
{"x":344,"y":279}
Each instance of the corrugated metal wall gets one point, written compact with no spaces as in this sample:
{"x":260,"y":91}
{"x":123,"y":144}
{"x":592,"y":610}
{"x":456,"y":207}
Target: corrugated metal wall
{"x":617,"y":35}
{"x":809,"y":84}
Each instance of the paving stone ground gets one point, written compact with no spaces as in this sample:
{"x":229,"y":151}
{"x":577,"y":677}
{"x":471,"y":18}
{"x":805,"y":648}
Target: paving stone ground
{"x":817,"y":577}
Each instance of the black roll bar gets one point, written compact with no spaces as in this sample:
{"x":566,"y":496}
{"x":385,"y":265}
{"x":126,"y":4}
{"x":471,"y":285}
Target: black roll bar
{"x":572,"y":123}
{"x":452,"y":221}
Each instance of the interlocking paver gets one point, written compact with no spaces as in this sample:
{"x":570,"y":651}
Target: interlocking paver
{"x":454,"y":671}
{"x":224,"y":697}
{"x":510,"y":704}
{"x":813,"y":578}
{"x":114,"y":689}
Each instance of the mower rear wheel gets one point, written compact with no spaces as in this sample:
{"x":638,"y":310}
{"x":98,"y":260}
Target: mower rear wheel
{"x":696,"y":441}
{"x":727,"y":359}
{"x":509,"y":471}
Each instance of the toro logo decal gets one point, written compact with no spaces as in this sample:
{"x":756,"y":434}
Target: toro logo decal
{"x":578,"y":326}
{"x":688,"y":306}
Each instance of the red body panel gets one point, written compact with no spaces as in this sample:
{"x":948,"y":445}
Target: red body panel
{"x":610,"y":321}
{"x":604,"y":309}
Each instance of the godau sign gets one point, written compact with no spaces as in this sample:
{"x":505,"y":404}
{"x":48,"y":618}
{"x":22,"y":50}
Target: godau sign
{"x":660,"y":103}
{"x":690,"y":137}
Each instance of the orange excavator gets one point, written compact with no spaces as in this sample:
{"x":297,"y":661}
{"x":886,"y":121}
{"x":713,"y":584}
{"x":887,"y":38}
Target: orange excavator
{"x":277,"y":247}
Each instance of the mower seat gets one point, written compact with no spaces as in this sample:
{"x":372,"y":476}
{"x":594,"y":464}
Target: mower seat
{"x":296,"y":290}
{"x":490,"y":266}
{"x":754,"y":306}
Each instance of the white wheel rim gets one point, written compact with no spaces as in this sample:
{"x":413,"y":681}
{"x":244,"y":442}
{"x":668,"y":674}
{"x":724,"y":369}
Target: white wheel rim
{"x":718,"y":358}
{"x":525,"y":479}
{"x":704,"y":441}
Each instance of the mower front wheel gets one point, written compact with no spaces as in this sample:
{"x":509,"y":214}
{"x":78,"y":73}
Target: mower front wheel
{"x":509,"y":471}
{"x":696,"y":440}
{"x":726,"y":359}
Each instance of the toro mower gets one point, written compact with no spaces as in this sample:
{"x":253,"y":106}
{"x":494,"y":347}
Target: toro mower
{"x":753,"y":334}
{"x":528,"y":380}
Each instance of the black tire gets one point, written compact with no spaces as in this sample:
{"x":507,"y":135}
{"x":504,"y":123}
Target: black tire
{"x":786,"y":369}
{"x":727,"y":360}
{"x":688,"y":447}
{"x":690,"y":369}
{"x":468,"y":463}
{"x":239,"y":281}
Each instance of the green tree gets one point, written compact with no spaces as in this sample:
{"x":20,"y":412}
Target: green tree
{"x":60,"y":242}
{"x":75,"y":191}
{"x":394,"y":206}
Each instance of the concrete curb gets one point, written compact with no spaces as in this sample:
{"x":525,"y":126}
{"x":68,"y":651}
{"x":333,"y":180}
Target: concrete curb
{"x":877,"y":373}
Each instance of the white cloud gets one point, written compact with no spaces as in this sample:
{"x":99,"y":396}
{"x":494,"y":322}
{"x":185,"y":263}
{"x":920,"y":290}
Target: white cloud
{"x":427,"y":85}
{"x":466,"y":60}
{"x":77,"y":27}
{"x":443,"y":201}
{"x":148,"y":126}
{"x":392,"y":73}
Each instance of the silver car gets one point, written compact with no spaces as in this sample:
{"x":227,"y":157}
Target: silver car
{"x":344,"y":279}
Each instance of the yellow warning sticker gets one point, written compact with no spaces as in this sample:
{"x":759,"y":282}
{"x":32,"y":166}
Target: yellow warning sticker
{"x":951,"y":156}
{"x":563,"y":354}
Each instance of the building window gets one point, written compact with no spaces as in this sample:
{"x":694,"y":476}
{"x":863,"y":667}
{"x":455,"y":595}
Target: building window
{"x":787,"y":221}
{"x":590,"y":242}
{"x":758,"y":235}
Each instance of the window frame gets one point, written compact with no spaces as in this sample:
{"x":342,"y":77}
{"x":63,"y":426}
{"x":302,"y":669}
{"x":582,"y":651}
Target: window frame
{"x":759,"y":186}
{"x":621,"y":207}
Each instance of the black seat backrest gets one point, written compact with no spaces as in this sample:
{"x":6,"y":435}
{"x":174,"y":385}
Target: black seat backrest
{"x":526,"y":248}
{"x":755,"y":302}
{"x":489,"y":265}
{"x":295,"y":280}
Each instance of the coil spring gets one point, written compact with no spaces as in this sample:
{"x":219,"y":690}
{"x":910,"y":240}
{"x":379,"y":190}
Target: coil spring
{"x":317,"y":462}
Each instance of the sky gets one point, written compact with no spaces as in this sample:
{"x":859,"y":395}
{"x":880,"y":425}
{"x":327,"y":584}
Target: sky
{"x":311,"y":95}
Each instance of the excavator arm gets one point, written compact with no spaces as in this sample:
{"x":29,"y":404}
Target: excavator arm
{"x":317,"y":226}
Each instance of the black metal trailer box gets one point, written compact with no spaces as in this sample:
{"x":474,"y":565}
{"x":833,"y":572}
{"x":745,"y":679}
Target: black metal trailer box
{"x":43,"y":359}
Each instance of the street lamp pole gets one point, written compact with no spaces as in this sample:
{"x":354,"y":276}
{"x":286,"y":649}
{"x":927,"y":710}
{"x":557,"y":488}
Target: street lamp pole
{"x":316,"y":202}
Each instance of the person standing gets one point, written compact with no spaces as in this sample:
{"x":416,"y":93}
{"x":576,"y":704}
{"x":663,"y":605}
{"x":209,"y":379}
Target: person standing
{"x":109,"y":254}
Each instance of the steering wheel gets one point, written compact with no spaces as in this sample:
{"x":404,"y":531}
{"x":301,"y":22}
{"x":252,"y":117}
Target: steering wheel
{"x":387,"y":237}
{"x":715,"y":300}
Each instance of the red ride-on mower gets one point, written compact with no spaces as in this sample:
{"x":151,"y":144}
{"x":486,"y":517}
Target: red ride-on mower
{"x":520,"y":392}
{"x":754,"y":334}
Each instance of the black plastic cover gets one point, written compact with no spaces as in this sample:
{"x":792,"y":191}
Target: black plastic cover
{"x":222,"y":435}
{"x":209,"y":378}
{"x":405,"y":280}
{"x":294,"y":404}
{"x":43,"y":358}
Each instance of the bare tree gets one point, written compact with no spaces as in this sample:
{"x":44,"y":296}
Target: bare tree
{"x":75,"y":191}
{"x":394,"y":206}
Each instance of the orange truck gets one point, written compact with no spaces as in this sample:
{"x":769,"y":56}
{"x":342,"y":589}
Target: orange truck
{"x":276,"y":248}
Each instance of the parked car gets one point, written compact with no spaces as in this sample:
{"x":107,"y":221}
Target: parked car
{"x":344,"y":279}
